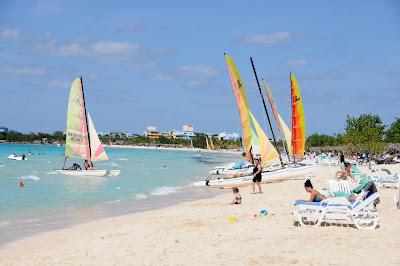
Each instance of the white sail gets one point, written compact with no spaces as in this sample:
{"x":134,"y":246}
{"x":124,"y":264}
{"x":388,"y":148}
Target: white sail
{"x":97,"y":151}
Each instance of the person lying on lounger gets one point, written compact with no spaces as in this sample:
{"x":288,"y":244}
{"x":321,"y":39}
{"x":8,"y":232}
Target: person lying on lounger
{"x":315,"y":195}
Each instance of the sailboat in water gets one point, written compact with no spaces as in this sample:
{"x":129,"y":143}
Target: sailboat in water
{"x":82,"y":141}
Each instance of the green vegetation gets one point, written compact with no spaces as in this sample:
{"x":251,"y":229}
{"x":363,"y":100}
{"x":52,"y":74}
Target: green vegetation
{"x":363,"y":133}
{"x":58,"y":137}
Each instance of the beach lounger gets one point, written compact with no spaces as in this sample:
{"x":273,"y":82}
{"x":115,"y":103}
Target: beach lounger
{"x":336,"y":186}
{"x":361,"y":212}
{"x":384,"y":178}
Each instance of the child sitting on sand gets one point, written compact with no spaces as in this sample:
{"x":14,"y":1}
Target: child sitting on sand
{"x":315,"y":195}
{"x":237,"y":199}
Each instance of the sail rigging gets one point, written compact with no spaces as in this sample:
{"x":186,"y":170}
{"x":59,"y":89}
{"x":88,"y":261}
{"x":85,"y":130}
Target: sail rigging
{"x":298,"y":119}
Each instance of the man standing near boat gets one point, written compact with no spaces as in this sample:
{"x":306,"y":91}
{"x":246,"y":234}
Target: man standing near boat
{"x":257,"y":176}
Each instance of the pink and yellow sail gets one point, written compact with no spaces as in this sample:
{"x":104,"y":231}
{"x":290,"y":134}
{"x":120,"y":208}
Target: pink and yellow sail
{"x":242,"y":104}
{"x":283,"y":130}
{"x":82,"y":140}
{"x":267,"y":150}
{"x":298,"y":119}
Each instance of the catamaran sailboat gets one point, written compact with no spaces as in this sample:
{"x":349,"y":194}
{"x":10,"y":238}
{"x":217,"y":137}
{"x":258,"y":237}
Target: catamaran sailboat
{"x":225,"y":177}
{"x":82,"y":141}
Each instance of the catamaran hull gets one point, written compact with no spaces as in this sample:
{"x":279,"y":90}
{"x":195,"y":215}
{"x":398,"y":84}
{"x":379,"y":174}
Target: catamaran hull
{"x":16,"y":158}
{"x":89,"y":173}
{"x":270,"y":176}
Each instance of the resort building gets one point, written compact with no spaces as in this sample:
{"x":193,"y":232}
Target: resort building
{"x":228,"y":136}
{"x":152,"y":133}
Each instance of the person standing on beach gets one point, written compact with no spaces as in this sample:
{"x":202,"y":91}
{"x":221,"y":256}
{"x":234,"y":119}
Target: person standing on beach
{"x":257,"y":176}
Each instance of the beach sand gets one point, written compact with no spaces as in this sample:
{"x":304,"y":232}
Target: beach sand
{"x":200,"y":233}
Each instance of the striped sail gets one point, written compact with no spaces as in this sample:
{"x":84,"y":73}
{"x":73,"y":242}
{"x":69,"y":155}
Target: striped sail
{"x":242,"y":104}
{"x":298,"y":119}
{"x":97,"y":151}
{"x":283,"y":130}
{"x":267,"y":150}
{"x":77,"y":140}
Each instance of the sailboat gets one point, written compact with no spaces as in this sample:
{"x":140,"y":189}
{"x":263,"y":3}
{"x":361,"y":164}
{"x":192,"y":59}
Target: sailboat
{"x":82,"y":141}
{"x":231,"y":176}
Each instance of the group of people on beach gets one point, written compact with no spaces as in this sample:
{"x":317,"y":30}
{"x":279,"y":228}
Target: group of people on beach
{"x":315,"y":196}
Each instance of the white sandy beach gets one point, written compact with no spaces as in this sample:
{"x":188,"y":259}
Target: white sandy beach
{"x":199,"y":233}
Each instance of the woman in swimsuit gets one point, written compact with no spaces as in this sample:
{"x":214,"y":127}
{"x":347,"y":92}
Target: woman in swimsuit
{"x":257,"y":176}
{"x":237,"y":199}
{"x":315,"y":195}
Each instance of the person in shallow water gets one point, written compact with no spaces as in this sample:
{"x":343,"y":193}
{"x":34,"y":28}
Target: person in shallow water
{"x":257,"y":176}
{"x":315,"y":195}
{"x":238,"y":198}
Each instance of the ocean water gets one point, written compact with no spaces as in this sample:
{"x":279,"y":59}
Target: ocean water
{"x":148,"y":178}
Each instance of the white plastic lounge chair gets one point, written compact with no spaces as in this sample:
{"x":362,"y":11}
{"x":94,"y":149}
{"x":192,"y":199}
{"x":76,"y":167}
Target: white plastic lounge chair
{"x":361,"y":212}
{"x":339,"y":186}
{"x":384,"y":178}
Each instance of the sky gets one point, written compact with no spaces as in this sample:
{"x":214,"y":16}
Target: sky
{"x":162,"y":62}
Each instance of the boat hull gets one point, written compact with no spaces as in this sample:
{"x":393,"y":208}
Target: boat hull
{"x":16,"y":158}
{"x":268,"y":176}
{"x":94,"y":173}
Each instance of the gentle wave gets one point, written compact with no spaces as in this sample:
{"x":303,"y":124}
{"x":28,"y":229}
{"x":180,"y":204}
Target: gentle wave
{"x":31,"y":177}
{"x":4,"y":223}
{"x":140,"y":196}
{"x":161,"y":191}
{"x":123,"y":159}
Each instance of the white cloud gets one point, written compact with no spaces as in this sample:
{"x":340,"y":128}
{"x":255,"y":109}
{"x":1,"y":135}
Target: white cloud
{"x":265,"y":38}
{"x":198,"y":70}
{"x":297,"y":62}
{"x":58,"y":84}
{"x":21,"y":70}
{"x":9,"y":34}
{"x":193,"y":83}
{"x":131,"y":27}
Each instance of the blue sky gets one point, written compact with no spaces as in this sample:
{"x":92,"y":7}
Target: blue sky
{"x":161,"y":62}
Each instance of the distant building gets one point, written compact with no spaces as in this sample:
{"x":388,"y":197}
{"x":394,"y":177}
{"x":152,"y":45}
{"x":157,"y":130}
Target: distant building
{"x":152,"y":133}
{"x":183,"y":134}
{"x":187,"y":128}
{"x":3,"y":129}
{"x":228,"y":136}
{"x":118,"y":134}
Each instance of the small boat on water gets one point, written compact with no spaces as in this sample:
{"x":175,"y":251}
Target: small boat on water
{"x":15,"y":157}
{"x":82,"y":141}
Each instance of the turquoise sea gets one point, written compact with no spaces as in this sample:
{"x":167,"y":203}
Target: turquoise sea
{"x":148,"y":179}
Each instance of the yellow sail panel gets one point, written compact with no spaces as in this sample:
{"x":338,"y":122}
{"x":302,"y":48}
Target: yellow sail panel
{"x":242,"y":104}
{"x":267,"y":150}
{"x":77,"y":140}
{"x":298,"y":119}
{"x":208,"y":145}
{"x":287,"y":134}
{"x":97,"y":151}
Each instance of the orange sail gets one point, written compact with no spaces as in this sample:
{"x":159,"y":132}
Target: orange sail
{"x":242,"y":104}
{"x":298,"y":119}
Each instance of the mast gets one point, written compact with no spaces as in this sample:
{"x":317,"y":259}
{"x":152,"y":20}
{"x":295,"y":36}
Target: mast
{"x":291,"y":101}
{"x":266,"y":111}
{"x":87,"y":124}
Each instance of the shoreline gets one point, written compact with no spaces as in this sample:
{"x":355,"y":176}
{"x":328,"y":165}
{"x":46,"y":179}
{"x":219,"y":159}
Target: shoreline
{"x":199,"y":232}
{"x":59,"y":220}
{"x":145,"y":147}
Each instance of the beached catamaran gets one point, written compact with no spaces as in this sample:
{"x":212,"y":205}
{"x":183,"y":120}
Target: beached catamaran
{"x":82,"y":141}
{"x":229,"y":177}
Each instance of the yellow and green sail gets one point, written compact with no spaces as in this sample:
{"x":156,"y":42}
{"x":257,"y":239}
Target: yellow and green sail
{"x":298,"y":119}
{"x":267,"y":150}
{"x":77,"y":138}
{"x":242,"y":104}
{"x":82,"y":140}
